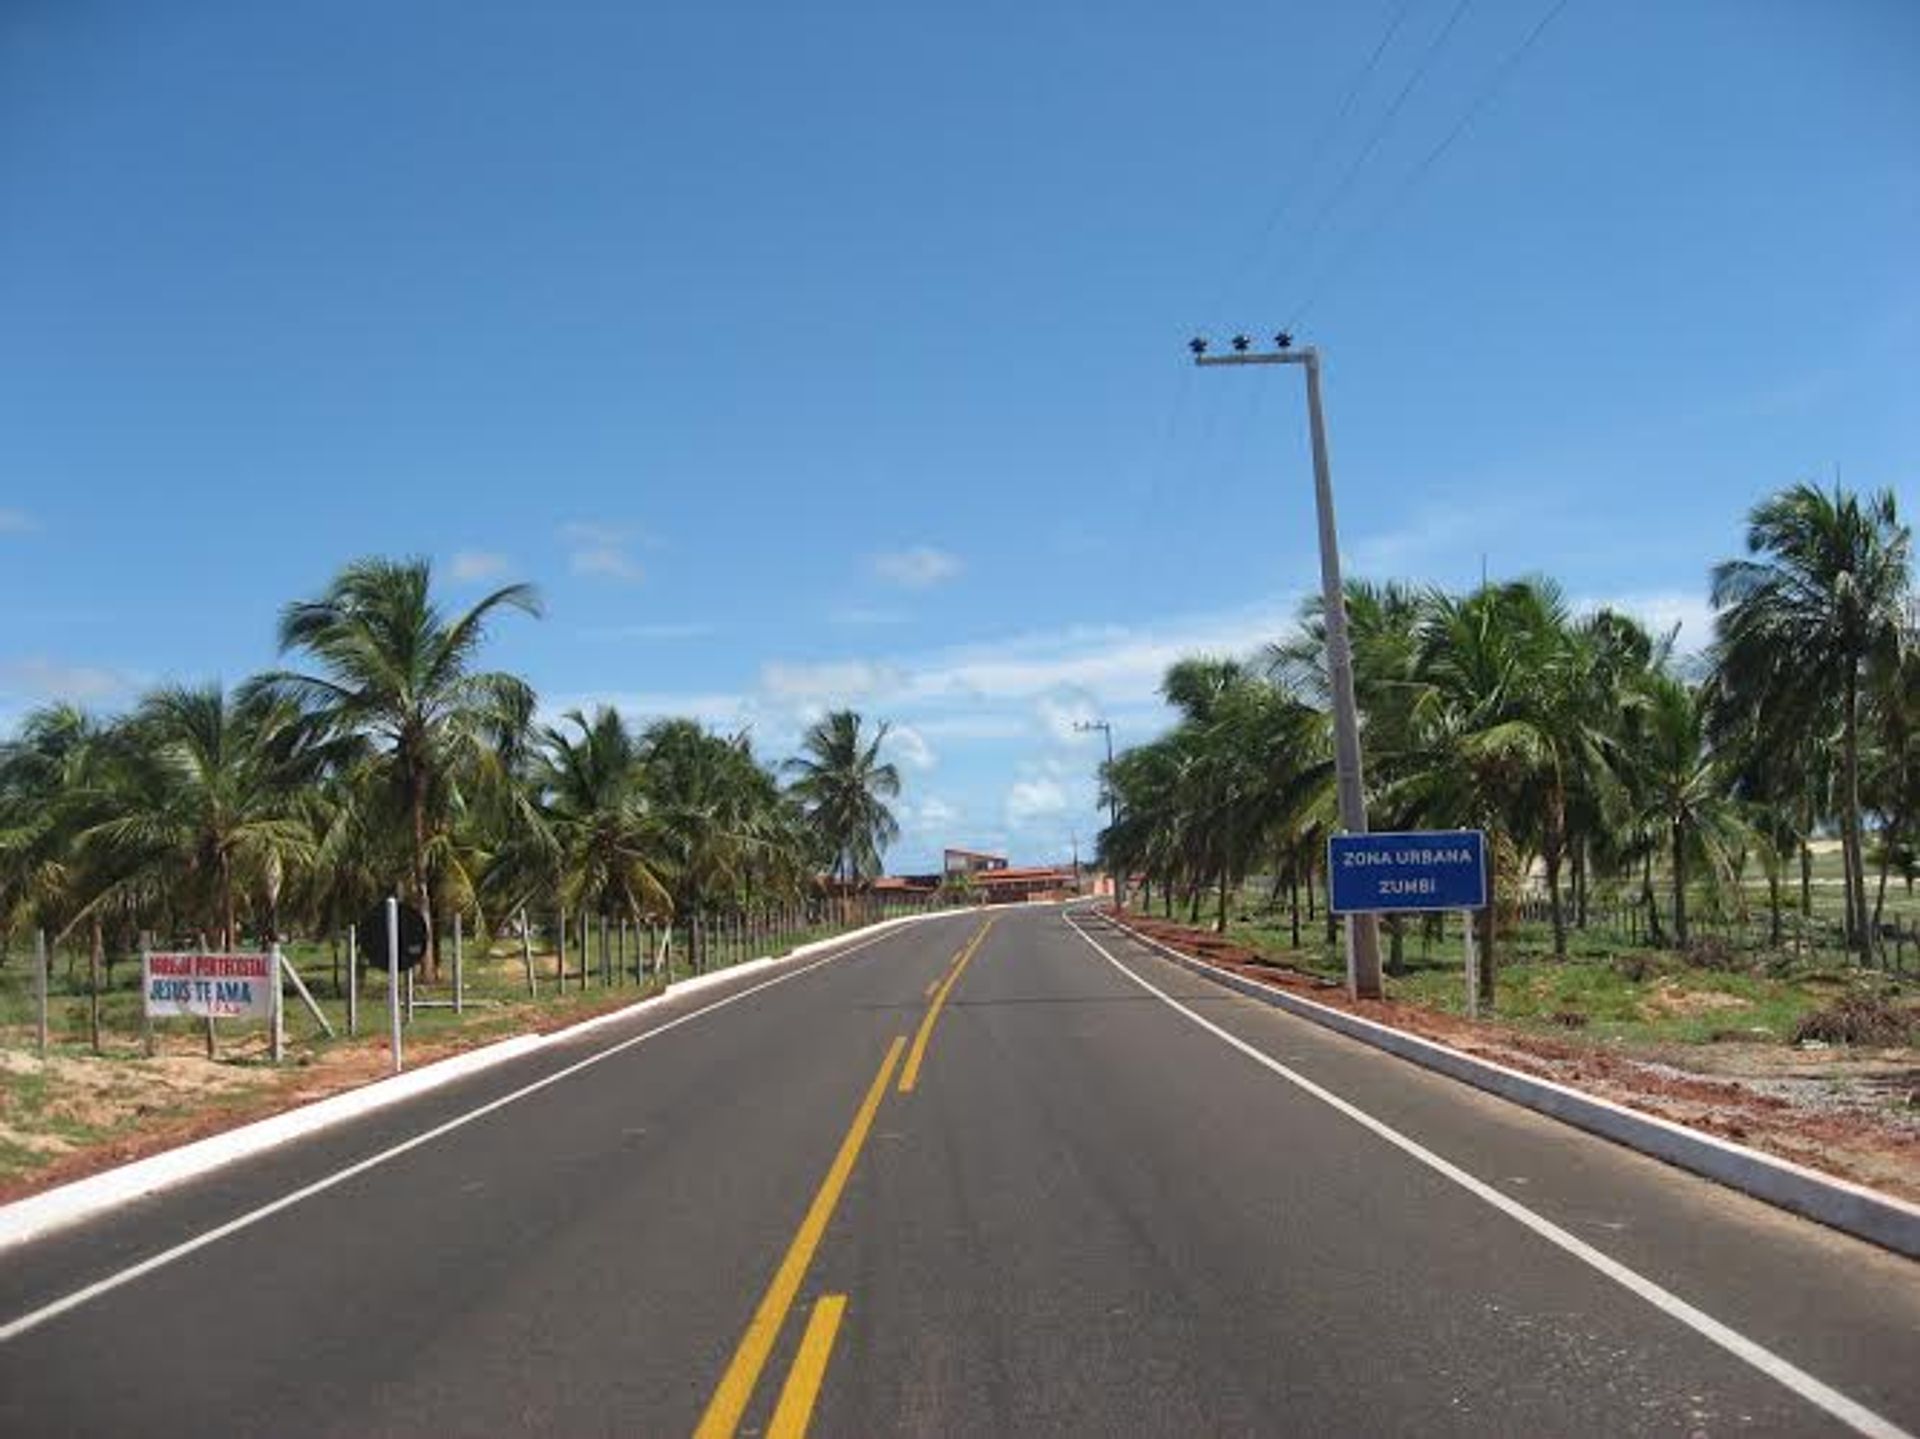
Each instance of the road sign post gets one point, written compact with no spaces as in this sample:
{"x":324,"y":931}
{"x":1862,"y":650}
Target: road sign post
{"x":276,"y":1001}
{"x":393,"y":979}
{"x":1423,"y":870}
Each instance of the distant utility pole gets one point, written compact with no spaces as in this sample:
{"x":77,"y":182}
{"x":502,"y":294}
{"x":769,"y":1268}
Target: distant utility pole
{"x":1363,"y":931}
{"x":1113,"y":804}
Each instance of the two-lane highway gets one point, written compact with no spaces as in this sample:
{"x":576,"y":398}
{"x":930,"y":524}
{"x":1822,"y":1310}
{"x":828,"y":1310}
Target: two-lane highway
{"x":1003,"y":1174}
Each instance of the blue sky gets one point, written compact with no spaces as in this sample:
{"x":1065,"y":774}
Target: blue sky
{"x":834,"y":354}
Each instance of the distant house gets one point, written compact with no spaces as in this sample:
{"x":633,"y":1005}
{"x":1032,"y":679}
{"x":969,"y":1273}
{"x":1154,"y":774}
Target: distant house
{"x":1006,"y":885}
{"x":972,"y":861}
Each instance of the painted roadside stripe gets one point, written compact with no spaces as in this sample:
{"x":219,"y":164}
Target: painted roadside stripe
{"x":1850,"y":1412}
{"x":910,"y":1076}
{"x":795,"y":1409}
{"x":14,"y":1328}
{"x":736,"y":1386}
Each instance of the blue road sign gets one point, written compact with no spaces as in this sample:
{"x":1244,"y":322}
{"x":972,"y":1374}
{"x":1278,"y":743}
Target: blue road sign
{"x":1427,"y":869}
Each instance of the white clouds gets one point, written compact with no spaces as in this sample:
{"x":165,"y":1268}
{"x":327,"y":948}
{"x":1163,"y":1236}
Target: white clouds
{"x":918,"y":567}
{"x":835,"y":682}
{"x":1035,"y":799}
{"x":16,"y":522}
{"x":468,"y":566}
{"x":600,"y":551}
{"x":1660,"y":611}
{"x":909,"y":747}
{"x":39,"y":678}
{"x":934,"y":814}
{"x":1060,"y":714}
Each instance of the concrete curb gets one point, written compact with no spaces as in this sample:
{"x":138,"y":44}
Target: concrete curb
{"x":1865,"y":1213}
{"x":69,"y":1204}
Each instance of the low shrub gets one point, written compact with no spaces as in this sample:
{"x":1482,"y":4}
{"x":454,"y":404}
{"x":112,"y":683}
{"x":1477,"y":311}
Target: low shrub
{"x":1861,"y":1017}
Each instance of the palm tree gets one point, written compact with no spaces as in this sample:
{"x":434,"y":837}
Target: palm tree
{"x":399,"y":673}
{"x":593,"y":804}
{"x":843,"y":786}
{"x":49,"y":773}
{"x":203,"y":803}
{"x":1806,"y":624}
{"x":1684,"y":796}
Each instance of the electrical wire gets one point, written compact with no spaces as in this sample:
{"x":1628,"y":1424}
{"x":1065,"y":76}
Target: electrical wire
{"x":1385,"y":124}
{"x":1480,"y":101}
{"x":1317,"y":146}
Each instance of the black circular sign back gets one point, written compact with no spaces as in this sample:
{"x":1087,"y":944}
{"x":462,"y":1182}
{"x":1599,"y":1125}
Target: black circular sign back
{"x":373,"y":938}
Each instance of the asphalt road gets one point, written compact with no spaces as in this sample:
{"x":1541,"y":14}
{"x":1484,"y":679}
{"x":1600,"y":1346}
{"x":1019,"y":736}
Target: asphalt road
{"x":1112,"y":1199}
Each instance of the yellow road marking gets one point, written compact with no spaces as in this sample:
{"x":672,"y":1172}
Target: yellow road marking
{"x":932,"y":985}
{"x":802,"y":1388}
{"x":910,"y":1074}
{"x":729,"y":1401}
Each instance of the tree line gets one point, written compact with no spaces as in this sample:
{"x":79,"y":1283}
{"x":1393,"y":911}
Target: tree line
{"x":384,"y":759}
{"x":1581,"y":744}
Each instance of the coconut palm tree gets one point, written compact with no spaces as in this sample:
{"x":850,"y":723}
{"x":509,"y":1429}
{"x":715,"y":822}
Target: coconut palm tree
{"x":843,"y":787}
{"x":1683,"y":792}
{"x":203,"y":804}
{"x":400,"y":673}
{"x":1805,"y":624}
{"x":593,"y":802}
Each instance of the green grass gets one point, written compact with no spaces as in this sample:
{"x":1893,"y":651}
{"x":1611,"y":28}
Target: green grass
{"x":1761,"y":998}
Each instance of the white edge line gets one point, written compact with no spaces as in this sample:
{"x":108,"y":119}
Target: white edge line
{"x":41,"y":1214}
{"x":14,"y":1328}
{"x":1339,"y":1020}
{"x":1848,"y":1411}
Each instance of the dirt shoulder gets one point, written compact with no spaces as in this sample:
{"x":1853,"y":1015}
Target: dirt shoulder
{"x":73,"y":1114}
{"x":1853,"y":1112}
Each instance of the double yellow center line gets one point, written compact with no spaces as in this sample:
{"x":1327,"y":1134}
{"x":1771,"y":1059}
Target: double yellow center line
{"x":910,"y":1076}
{"x":795,"y":1407}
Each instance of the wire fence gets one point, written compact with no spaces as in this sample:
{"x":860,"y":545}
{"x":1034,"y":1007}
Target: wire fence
{"x":539,"y":960}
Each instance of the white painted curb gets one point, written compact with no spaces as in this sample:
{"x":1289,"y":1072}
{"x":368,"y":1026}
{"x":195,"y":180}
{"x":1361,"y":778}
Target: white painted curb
{"x":40,"y":1214}
{"x":1865,"y":1213}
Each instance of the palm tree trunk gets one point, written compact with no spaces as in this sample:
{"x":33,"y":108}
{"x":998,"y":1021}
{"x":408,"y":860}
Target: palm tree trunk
{"x":1580,"y":885}
{"x":1220,"y":920}
{"x":228,"y":939}
{"x":1880,"y":899}
{"x":1850,"y":820}
{"x":1655,"y":937}
{"x":1773,"y":909}
{"x":1555,"y":839}
{"x":1396,"y":927}
{"x":93,"y":982}
{"x":1293,"y":903}
{"x":417,"y":804}
{"x":1679,"y":886}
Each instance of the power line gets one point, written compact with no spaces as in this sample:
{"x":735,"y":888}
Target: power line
{"x":1385,"y":124}
{"x":1432,"y":157}
{"x":1291,"y":197}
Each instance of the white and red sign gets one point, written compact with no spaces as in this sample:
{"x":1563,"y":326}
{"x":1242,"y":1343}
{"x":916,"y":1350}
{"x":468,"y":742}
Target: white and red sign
{"x":226,"y":986}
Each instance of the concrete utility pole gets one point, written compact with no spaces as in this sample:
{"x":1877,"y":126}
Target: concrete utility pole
{"x":1113,"y":805}
{"x":1363,"y":930}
